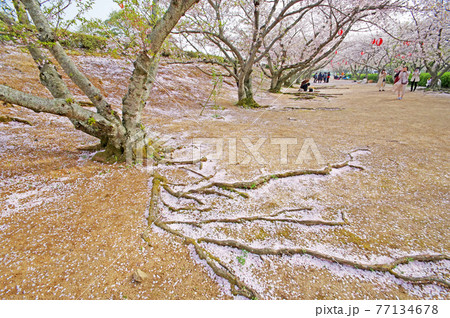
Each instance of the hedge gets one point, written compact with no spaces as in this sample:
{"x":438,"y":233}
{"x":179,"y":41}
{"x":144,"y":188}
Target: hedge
{"x":389,"y":79}
{"x":445,"y":79}
{"x":370,"y":77}
{"x":88,"y":42}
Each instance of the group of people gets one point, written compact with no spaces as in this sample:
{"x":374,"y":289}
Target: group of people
{"x":322,"y":77}
{"x":401,"y":80}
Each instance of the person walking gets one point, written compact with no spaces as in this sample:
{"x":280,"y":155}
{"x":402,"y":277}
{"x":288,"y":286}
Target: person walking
{"x":415,"y":79}
{"x":382,"y":80}
{"x":400,"y":86}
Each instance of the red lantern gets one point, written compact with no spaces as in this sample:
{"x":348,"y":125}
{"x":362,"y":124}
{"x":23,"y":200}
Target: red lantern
{"x":335,"y":52}
{"x":341,"y":32}
{"x":362,"y":53}
{"x":379,"y":41}
{"x":403,"y":56}
{"x":121,"y":5}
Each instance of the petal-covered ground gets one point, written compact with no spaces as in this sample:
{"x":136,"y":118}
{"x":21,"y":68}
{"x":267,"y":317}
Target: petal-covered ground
{"x":72,"y":228}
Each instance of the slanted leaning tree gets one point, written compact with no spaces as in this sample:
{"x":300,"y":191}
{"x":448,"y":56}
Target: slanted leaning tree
{"x":121,"y":137}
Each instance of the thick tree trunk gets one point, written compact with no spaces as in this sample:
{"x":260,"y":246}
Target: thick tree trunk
{"x":52,"y":80}
{"x":114,"y":136}
{"x":122,"y":139}
{"x":245,"y":91}
{"x":436,"y":74}
{"x":275,"y":84}
{"x":291,"y":80}
{"x":279,"y":80}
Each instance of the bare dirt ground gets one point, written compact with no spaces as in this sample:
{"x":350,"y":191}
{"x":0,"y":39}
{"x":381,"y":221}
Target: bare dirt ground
{"x":71,"y":228}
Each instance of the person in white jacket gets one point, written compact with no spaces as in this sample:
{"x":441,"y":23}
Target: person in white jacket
{"x":415,"y":80}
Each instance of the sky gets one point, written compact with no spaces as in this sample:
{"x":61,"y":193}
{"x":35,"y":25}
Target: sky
{"x":101,"y":9}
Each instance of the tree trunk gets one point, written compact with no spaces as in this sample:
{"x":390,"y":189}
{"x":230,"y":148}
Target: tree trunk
{"x":279,"y":80}
{"x":290,"y":81}
{"x":275,"y":84}
{"x":122,"y":139}
{"x":245,"y":91}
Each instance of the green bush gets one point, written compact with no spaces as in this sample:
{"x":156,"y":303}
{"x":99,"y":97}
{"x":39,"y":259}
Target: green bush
{"x":200,"y":55}
{"x":423,"y":79}
{"x":370,"y":77}
{"x":88,"y":42}
{"x":445,"y":79}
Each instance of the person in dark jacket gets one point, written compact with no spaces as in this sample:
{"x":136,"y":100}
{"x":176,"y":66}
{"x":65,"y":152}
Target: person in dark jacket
{"x":304,"y":85}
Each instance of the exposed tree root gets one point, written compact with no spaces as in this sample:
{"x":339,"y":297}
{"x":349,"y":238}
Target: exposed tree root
{"x":184,"y":195}
{"x":198,"y":173}
{"x":182,"y":162}
{"x":258,"y":182}
{"x":95,"y":147}
{"x":383,"y":267}
{"x":221,"y":269}
{"x":7,"y":119}
{"x":268,"y":218}
{"x":174,"y":209}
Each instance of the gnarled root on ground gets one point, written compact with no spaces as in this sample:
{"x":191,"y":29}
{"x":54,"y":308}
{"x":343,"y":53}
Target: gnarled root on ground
{"x":238,"y":287}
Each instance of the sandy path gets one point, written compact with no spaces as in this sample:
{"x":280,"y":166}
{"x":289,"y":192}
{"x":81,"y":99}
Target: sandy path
{"x":70,"y":228}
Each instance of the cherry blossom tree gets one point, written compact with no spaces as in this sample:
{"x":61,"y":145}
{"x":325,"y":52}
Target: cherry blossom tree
{"x":286,"y":36}
{"x":373,"y":52}
{"x":122,"y":137}
{"x":240,"y":31}
{"x":420,"y":36}
{"x":430,"y":34}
